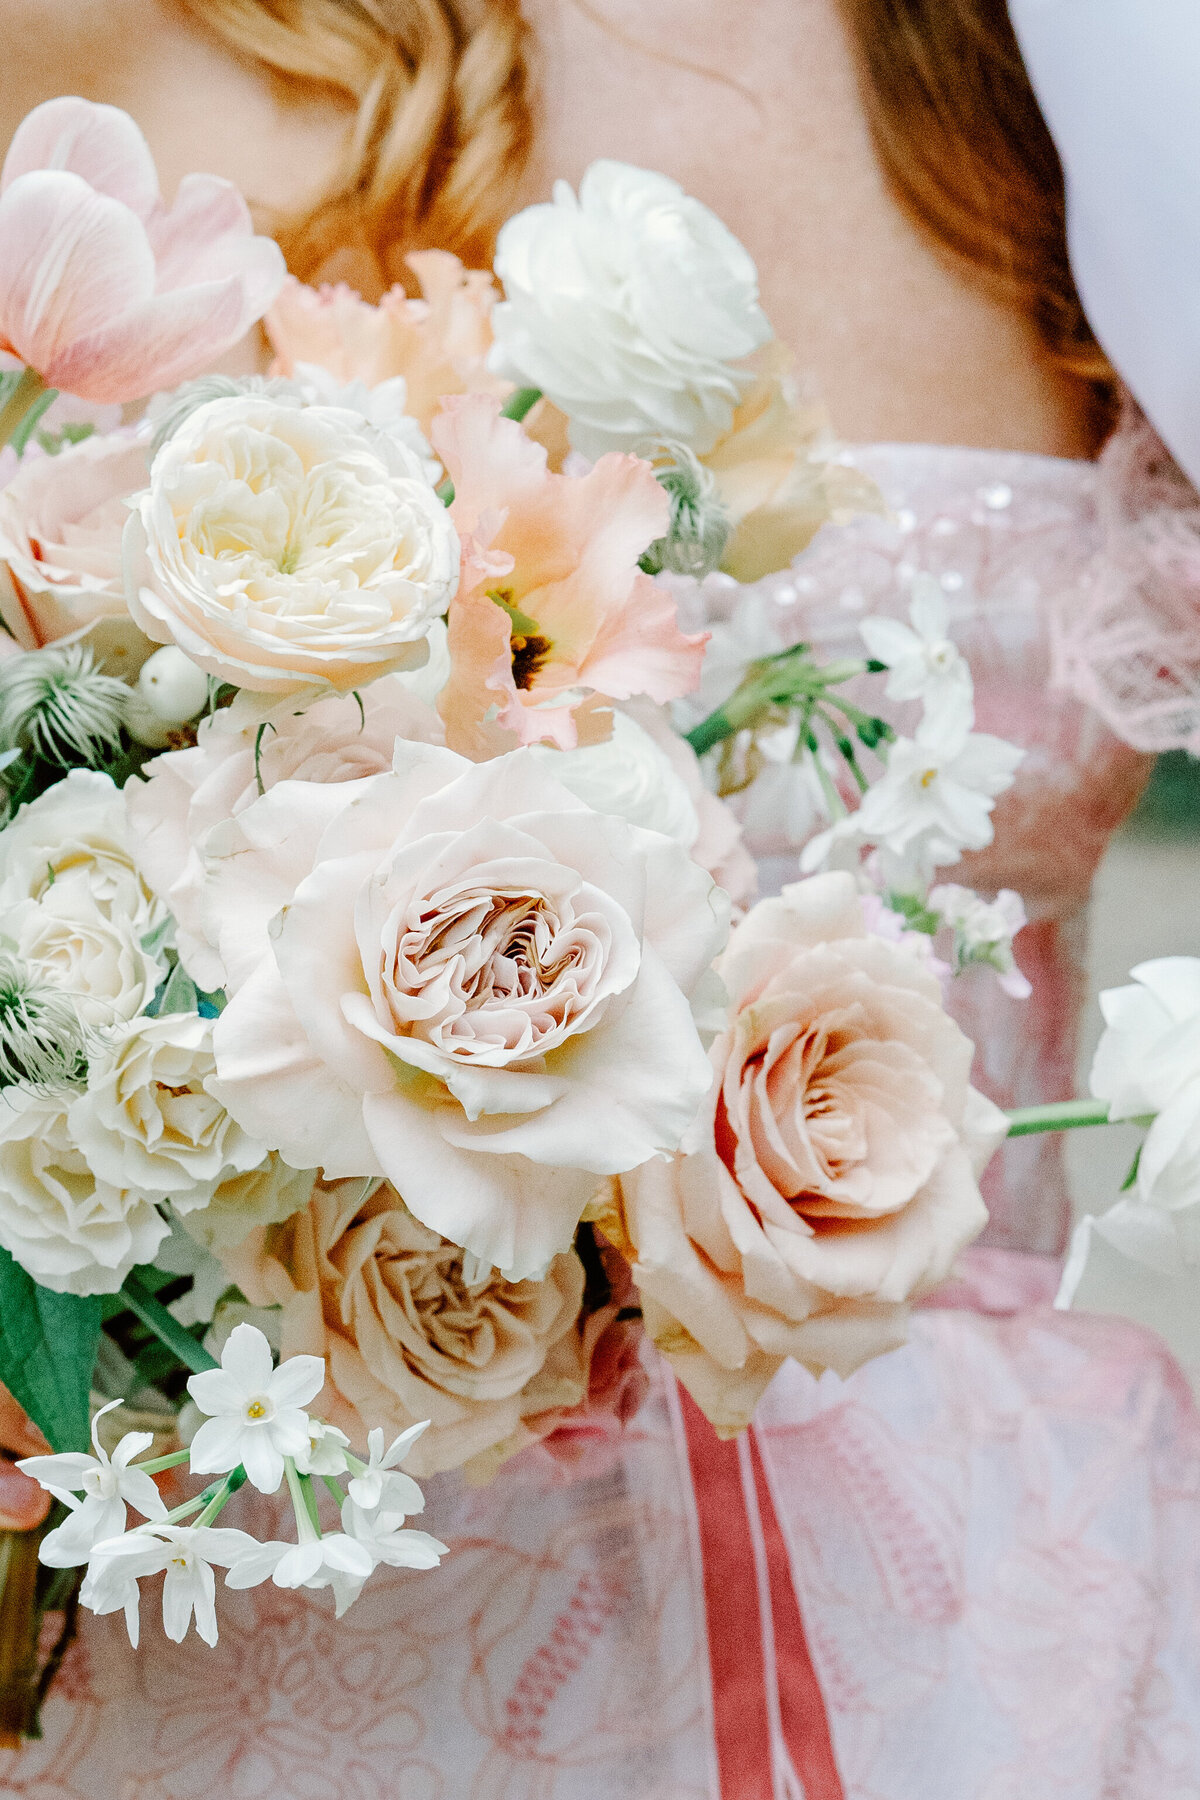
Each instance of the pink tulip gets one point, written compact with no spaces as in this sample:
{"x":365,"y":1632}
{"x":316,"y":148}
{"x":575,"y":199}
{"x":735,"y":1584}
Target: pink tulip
{"x":103,"y":290}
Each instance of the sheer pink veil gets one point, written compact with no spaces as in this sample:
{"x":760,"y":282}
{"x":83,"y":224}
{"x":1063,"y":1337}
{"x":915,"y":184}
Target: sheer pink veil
{"x":1119,"y":84}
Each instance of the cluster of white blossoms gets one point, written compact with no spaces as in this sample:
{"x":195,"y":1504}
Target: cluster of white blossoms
{"x":108,"y":1111}
{"x":256,"y":1430}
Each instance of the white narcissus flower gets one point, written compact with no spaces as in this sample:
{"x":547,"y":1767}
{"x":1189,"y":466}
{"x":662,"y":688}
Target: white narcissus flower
{"x":460,"y":977}
{"x":381,"y":1476}
{"x":933,"y":801}
{"x":630,"y":308}
{"x":326,"y":1451}
{"x":289,"y":548}
{"x":923,"y":662}
{"x":1148,"y":1062}
{"x":984,"y":931}
{"x":148,"y":1118}
{"x":185,"y":1553}
{"x":380,"y":1532}
{"x":330,"y":1560}
{"x":255,"y":1410}
{"x":106,"y":1484}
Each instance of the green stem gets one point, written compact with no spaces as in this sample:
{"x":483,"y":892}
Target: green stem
{"x":1059,"y":1115}
{"x":334,"y":1489}
{"x":28,"y":390}
{"x":157,"y":1464}
{"x":521,"y":403}
{"x":226,"y":1491}
{"x":168,"y":1330}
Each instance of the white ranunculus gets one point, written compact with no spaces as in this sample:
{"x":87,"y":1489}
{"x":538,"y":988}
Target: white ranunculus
{"x":70,"y":1231}
{"x":64,"y":938}
{"x":286,"y":547}
{"x":629,"y":777}
{"x":1148,"y":1062}
{"x":147,"y":1118}
{"x":630,"y":308}
{"x":76,"y":834}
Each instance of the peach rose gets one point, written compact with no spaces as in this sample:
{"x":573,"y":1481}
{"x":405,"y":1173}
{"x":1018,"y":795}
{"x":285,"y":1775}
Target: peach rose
{"x":834,"y":1176}
{"x":410,"y":1330}
{"x":439,"y":344}
{"x":553,"y":618}
{"x":189,"y":792}
{"x":61,"y":519}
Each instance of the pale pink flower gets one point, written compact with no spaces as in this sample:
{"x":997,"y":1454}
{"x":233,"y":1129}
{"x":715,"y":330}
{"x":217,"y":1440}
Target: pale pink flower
{"x":462,"y":978}
{"x":438,"y":344}
{"x":832,"y":1178}
{"x":61,"y":520}
{"x":553,"y":618}
{"x":103,"y":290}
{"x":189,"y":792}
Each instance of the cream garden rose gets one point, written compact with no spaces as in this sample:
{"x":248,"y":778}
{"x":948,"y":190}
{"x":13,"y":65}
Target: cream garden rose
{"x":458,"y":976}
{"x":833,"y":1177}
{"x":76,"y":835}
{"x":73,"y":1232}
{"x":631,"y":308}
{"x":148,"y":1119}
{"x":188,"y":793}
{"x":287,"y":547}
{"x":410,"y":1331}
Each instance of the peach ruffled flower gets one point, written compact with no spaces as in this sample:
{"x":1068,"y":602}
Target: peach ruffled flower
{"x":439,"y":344}
{"x":553,"y":618}
{"x":410,"y":1330}
{"x":104,"y":291}
{"x":833,"y":1178}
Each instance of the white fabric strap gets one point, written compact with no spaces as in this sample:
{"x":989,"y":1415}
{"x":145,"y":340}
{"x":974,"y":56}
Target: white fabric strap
{"x":1119,"y":84}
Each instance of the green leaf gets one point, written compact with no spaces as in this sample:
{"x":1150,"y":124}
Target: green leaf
{"x":47,"y":1352}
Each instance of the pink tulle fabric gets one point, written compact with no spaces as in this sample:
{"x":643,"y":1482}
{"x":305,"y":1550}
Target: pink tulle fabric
{"x":1129,"y":643}
{"x":993,"y":1533}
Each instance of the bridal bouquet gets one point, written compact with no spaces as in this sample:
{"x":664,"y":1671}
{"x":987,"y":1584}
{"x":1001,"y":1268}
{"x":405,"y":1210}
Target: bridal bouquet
{"x":389,"y":1035}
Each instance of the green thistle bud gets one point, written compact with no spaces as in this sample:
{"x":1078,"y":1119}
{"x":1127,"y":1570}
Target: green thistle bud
{"x":699,"y":529}
{"x":58,"y":706}
{"x":42,"y":1039}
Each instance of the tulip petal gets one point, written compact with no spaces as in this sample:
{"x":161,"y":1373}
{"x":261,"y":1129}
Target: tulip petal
{"x":160,"y":341}
{"x":209,"y":230}
{"x":100,"y":143}
{"x":71,"y":260}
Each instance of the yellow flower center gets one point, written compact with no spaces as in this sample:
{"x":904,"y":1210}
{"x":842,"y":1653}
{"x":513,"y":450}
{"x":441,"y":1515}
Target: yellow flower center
{"x":928,"y":778}
{"x":256,"y":1410}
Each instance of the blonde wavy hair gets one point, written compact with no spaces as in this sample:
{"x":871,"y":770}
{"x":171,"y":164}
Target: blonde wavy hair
{"x":442,"y":118}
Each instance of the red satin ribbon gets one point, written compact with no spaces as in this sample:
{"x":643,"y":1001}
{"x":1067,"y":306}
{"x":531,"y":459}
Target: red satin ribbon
{"x":766,"y":1696}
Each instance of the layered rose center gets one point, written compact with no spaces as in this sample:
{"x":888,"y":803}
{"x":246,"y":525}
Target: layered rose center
{"x":499,"y":971}
{"x":822,"y":1112}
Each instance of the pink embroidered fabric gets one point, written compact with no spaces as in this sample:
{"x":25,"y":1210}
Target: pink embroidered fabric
{"x":993,"y":1533}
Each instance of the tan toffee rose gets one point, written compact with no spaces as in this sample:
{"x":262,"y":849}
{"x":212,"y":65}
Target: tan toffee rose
{"x":411,"y":1329}
{"x":832,"y":1178}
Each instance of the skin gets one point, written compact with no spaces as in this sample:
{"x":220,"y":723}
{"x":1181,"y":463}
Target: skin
{"x":759,"y":117}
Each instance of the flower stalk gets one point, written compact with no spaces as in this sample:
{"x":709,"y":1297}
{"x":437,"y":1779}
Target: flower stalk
{"x":168,"y":1330}
{"x":1058,"y":1115}
{"x":29,"y":390}
{"x":20,"y":1618}
{"x":790,"y":678}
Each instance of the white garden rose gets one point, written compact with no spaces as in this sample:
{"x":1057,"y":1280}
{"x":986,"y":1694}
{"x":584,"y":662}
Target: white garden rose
{"x":65,"y":939}
{"x":630,"y":777}
{"x":458,"y":976}
{"x":286,"y":547}
{"x":1148,"y":1063}
{"x":76,"y":834}
{"x":630,"y":308}
{"x":243,"y":1201}
{"x":71,"y":1231}
{"x":147,"y":1118}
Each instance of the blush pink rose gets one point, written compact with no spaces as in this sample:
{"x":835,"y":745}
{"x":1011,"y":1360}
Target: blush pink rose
{"x":833,"y":1177}
{"x":438,"y":344}
{"x":61,"y":520}
{"x":553,"y":619}
{"x":460,"y":977}
{"x":189,"y":792}
{"x":104,"y":291}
